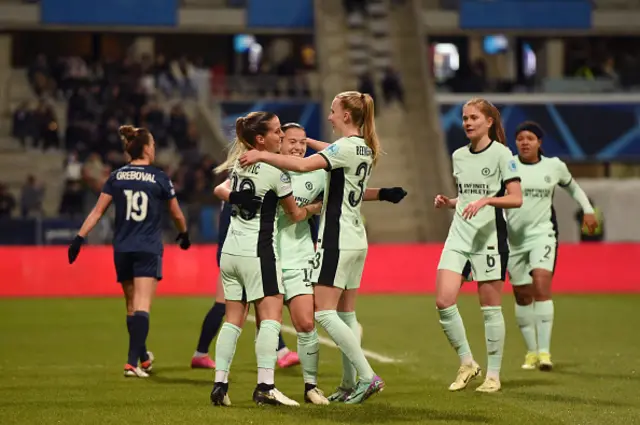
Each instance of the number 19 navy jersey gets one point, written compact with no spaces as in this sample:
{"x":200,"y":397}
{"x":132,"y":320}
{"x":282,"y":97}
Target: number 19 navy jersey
{"x":140,"y":194}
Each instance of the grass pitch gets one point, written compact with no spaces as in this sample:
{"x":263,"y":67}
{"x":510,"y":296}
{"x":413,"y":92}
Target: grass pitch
{"x":61,"y":363}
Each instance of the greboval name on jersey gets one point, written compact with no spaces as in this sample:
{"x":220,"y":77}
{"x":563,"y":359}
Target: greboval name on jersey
{"x":136,"y":175}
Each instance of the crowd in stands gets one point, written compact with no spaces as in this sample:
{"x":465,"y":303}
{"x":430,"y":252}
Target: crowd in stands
{"x":101,"y":96}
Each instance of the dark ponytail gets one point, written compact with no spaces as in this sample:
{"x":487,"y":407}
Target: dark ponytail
{"x":134,"y":140}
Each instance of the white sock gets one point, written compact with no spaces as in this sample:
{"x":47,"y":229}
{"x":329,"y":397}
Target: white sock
{"x":466,"y":359}
{"x":199,"y":354}
{"x":493,"y":374}
{"x":282,"y":352}
{"x":222,"y":376}
{"x":266,"y":376}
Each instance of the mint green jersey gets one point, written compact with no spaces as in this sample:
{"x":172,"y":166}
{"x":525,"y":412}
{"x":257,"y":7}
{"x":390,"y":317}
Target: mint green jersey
{"x":482,"y":174}
{"x":536,"y":217}
{"x":295,"y":245}
{"x":349,"y":164}
{"x":255,"y":235}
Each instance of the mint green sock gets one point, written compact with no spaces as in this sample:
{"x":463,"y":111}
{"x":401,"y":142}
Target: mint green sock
{"x":267,"y":344}
{"x":308,"y":351}
{"x":225,"y":350}
{"x":453,"y":328}
{"x":348,"y":370}
{"x":526,"y":318}
{"x":544,"y":324}
{"x":494,"y":332}
{"x":346,"y":341}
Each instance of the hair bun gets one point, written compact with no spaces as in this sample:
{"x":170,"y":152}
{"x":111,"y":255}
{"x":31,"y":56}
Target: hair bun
{"x":127,"y":132}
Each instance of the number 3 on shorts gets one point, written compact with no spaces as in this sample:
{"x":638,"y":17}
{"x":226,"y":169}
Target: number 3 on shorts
{"x":315,"y":261}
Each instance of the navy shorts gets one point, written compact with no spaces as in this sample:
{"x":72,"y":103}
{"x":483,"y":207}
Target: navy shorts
{"x":130,"y":265}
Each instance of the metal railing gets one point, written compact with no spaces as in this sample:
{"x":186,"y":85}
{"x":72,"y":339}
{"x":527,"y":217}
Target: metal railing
{"x":303,"y":86}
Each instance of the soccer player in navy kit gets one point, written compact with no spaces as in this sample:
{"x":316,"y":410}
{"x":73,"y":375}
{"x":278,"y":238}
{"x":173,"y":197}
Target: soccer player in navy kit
{"x":139,"y":192}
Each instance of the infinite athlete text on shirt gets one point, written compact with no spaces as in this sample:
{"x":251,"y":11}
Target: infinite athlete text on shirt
{"x":136,"y":175}
{"x":537,"y":193}
{"x":473,"y":188}
{"x":301,"y":201}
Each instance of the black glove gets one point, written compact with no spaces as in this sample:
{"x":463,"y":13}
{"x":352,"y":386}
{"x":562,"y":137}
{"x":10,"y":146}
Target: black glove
{"x":74,"y":248}
{"x":183,"y":240}
{"x":246,"y":200}
{"x":392,"y":194}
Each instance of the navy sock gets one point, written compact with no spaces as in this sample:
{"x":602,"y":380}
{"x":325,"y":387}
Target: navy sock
{"x":144,"y":356}
{"x":138,"y":336}
{"x":211,"y":326}
{"x":281,"y":343}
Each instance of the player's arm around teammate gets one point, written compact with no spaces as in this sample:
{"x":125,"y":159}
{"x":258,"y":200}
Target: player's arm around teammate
{"x":138,"y":191}
{"x":249,"y":264}
{"x":533,"y":241}
{"x":488,"y":181}
{"x":342,"y":246}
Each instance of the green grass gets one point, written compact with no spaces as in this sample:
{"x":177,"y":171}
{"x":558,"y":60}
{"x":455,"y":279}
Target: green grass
{"x":61,"y":363}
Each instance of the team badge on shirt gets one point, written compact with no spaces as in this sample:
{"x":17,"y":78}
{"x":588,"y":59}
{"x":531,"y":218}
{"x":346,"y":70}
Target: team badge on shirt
{"x":308,"y":185}
{"x":333,"y":149}
{"x":284,"y":178}
{"x":547,"y":179}
{"x":486,"y":171}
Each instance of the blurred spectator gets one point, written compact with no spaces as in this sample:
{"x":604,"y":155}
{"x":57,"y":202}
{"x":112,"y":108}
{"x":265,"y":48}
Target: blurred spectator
{"x":183,"y":73}
{"x":392,"y":87}
{"x":92,"y":172}
{"x":40,"y":76}
{"x":153,"y":118}
{"x":24,"y":128}
{"x":31,"y":197}
{"x":164,"y":78}
{"x":72,"y":200}
{"x":110,"y":144}
{"x":367,"y":85}
{"x":608,"y":69}
{"x":73,"y":168}
{"x":7,"y":201}
{"x":178,"y":126}
{"x":47,"y":126}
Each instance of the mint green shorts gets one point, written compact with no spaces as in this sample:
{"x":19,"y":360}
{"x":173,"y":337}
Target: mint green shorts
{"x":540,"y":256}
{"x":338,"y":268}
{"x":484,"y":267}
{"x":250,"y":278}
{"x":296,"y":282}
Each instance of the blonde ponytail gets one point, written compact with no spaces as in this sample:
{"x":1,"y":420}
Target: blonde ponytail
{"x":369,"y":127}
{"x":239,"y":147}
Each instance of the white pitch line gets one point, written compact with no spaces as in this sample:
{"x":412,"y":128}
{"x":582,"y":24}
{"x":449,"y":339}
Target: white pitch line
{"x":326,"y":341}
